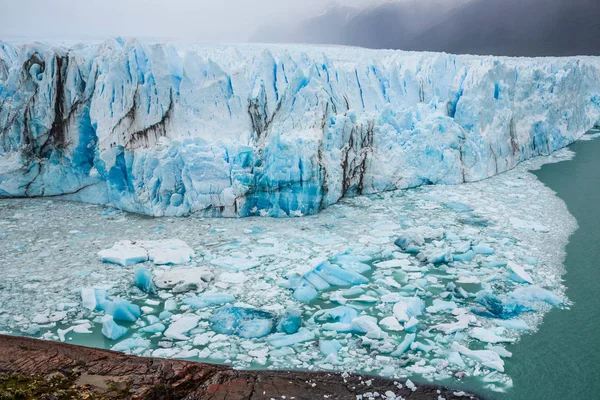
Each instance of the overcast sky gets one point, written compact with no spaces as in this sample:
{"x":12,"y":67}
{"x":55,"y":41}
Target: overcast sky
{"x":195,"y":20}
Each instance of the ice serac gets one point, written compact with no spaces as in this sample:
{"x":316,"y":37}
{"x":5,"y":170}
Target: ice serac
{"x":280,"y":131}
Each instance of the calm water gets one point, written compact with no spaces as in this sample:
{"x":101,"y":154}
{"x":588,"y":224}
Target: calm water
{"x":562,"y":360}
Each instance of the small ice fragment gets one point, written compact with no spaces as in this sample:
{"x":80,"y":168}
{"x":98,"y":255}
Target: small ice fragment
{"x":411,"y":324}
{"x":526,"y":296}
{"x":328,"y":347}
{"x":178,"y":329}
{"x":170,"y":305}
{"x":111,"y":330}
{"x":483,"y":248}
{"x":305,"y":292}
{"x":168,"y":251}
{"x":404,"y":345}
{"x":365,"y":324}
{"x":441,"y":305}
{"x":391,"y":324}
{"x":184,"y":279}
{"x":516,"y":324}
{"x":337,"y":276}
{"x":519,"y":274}
{"x":284,"y":340}
{"x":142,"y":279}
{"x":235,"y":264}
{"x":154,"y":328}
{"x":92,"y":298}
{"x":455,"y":358}
{"x":122,"y":310}
{"x":487,"y":358}
{"x":501,"y":351}
{"x":130,"y":344}
{"x":124,"y":253}
{"x":209,"y":299}
{"x":468,"y":256}
{"x":290,"y":322}
{"x":484,"y":335}
{"x":243,"y":322}
{"x":410,"y":242}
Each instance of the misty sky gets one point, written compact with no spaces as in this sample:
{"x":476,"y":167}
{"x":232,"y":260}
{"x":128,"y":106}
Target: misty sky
{"x":196,"y":20}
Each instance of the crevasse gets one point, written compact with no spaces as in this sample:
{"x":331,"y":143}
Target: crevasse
{"x":175,"y":130}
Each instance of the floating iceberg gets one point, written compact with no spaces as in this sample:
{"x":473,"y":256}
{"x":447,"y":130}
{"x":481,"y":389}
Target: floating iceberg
{"x":173,"y":130}
{"x":160,"y":252}
{"x":243,"y":322}
{"x":111,"y":329}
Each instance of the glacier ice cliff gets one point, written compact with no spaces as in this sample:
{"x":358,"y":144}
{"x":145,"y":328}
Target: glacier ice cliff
{"x":174,"y":130}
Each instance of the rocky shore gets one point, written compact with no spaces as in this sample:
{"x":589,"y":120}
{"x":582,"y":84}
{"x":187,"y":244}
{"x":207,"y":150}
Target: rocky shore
{"x":31,"y":368}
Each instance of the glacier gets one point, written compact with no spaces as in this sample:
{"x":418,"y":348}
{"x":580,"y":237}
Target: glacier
{"x":254,"y":130}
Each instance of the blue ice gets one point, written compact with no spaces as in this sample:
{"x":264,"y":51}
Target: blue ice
{"x":242,"y":322}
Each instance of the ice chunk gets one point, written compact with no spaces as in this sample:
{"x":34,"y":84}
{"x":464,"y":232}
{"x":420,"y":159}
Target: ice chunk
{"x":178,"y":329}
{"x":485,"y":335}
{"x":124,"y":253}
{"x":468,"y":256}
{"x":168,"y":252}
{"x":92,"y":298}
{"x":404,"y":345}
{"x":235,"y":264}
{"x":316,"y":281}
{"x":338,"y":318}
{"x":487,"y":358}
{"x":209,"y":299}
{"x":410,"y":242}
{"x":290,"y":322}
{"x":154,"y":328}
{"x":365,"y":325}
{"x":284,"y":340}
{"x":441,"y":305}
{"x":408,"y":307}
{"x":411,"y":325}
{"x":328,"y":347}
{"x":161,"y":252}
{"x":496,"y":307}
{"x":519,"y":274}
{"x":142,"y":279}
{"x":130,"y":344}
{"x":391,"y":324}
{"x":184,"y":279}
{"x":111,"y":330}
{"x":516,"y":324}
{"x":243,"y":322}
{"x":463,"y":321}
{"x":455,"y":358}
{"x":528,"y":225}
{"x":527,"y":296}
{"x":305,"y":292}
{"x":483,"y":248}
{"x":122,"y":310}
{"x":501,"y":351}
{"x":437,"y":256}
{"x":337,"y":276}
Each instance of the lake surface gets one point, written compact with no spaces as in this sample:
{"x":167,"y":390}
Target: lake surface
{"x":562,"y":360}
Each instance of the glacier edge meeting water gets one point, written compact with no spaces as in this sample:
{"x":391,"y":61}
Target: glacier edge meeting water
{"x":175,"y":130}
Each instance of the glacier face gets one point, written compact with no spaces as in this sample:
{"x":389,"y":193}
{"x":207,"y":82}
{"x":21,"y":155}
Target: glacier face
{"x":174,"y":130}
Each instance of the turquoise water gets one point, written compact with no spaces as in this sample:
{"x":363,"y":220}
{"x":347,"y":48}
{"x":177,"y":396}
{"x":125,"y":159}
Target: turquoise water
{"x":562,"y":360}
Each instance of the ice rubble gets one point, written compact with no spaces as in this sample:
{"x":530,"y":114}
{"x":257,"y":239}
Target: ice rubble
{"x":160,"y":252}
{"x":382,"y":299}
{"x":166,"y":129}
